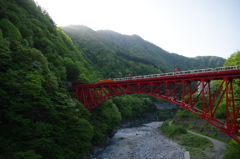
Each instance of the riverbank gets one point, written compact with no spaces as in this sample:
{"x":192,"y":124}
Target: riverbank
{"x":219,"y":147}
{"x":198,"y":148}
{"x":141,"y":143}
{"x":201,"y":126}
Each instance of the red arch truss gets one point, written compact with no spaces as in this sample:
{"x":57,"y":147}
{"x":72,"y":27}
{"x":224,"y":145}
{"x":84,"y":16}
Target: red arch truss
{"x":178,"y":89}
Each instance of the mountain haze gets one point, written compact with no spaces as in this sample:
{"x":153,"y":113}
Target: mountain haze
{"x":158,"y":56}
{"x":109,"y":59}
{"x":115,"y":55}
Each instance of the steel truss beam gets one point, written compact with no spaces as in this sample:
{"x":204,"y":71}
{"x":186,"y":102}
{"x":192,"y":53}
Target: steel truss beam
{"x":180,"y":90}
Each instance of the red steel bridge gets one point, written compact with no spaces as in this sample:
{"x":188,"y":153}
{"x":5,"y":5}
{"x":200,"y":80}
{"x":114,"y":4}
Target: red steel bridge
{"x":184,"y":88}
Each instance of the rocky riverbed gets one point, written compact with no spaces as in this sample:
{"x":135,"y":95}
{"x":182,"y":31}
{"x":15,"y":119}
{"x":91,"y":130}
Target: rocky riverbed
{"x":141,"y":143}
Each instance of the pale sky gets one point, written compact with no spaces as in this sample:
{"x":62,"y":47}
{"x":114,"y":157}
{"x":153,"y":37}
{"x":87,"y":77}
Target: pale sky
{"x":187,"y":27}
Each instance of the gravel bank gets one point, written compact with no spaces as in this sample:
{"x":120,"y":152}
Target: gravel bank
{"x":144,"y":142}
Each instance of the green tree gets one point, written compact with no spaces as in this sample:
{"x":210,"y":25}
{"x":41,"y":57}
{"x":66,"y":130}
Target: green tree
{"x":105,"y":118}
{"x":9,"y":30}
{"x":71,"y":68}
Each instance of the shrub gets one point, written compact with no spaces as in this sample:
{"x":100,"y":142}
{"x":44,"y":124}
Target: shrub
{"x":172,"y":130}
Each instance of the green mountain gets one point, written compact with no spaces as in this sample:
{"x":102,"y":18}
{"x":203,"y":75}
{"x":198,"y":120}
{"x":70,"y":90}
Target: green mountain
{"x":165,"y":60}
{"x":109,"y":59}
{"x":39,"y":117}
{"x":115,"y":55}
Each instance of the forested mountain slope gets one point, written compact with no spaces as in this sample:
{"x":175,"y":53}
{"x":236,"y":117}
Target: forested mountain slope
{"x":158,"y":56}
{"x":39,"y":117}
{"x":109,"y":59}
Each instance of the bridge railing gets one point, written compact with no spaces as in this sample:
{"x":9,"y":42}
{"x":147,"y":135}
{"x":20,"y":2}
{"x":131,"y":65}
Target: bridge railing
{"x":207,"y":70}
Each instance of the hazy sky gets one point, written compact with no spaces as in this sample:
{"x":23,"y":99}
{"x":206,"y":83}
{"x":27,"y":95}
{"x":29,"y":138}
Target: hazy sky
{"x":186,"y":27}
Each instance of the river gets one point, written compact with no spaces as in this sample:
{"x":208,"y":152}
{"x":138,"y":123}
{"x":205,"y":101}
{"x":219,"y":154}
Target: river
{"x":144,"y":142}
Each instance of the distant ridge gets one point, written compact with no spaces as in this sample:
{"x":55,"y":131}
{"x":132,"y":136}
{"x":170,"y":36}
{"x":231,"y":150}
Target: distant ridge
{"x":158,"y":56}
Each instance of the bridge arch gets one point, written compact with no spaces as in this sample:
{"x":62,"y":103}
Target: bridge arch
{"x":178,"y":89}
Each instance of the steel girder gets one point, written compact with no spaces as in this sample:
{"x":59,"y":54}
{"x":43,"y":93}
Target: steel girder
{"x":184,"y":91}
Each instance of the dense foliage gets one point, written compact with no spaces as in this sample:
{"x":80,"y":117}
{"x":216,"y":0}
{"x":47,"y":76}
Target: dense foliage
{"x":133,"y":107}
{"x":38,"y":117}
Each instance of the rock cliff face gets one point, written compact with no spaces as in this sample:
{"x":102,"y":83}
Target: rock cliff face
{"x":201,"y":126}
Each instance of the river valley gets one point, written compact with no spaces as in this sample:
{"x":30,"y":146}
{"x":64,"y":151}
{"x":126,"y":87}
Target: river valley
{"x":141,"y":142}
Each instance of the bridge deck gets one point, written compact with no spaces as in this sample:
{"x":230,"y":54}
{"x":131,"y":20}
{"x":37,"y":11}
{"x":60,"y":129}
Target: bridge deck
{"x":187,"y":77}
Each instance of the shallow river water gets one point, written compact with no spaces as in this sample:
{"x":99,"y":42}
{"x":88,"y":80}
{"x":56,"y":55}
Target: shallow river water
{"x":144,"y":142}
